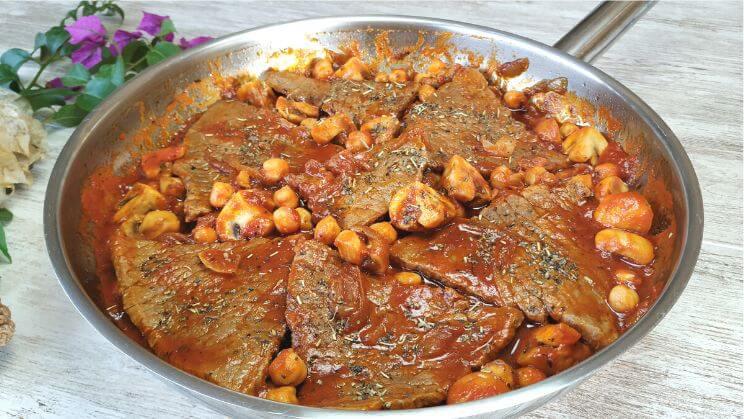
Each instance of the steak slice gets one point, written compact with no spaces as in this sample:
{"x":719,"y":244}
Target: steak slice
{"x":465,"y":117}
{"x":232,"y":134}
{"x":373,"y":343}
{"x":359,"y":191}
{"x":522,"y":252}
{"x":224,"y":328}
{"x":360,"y":100}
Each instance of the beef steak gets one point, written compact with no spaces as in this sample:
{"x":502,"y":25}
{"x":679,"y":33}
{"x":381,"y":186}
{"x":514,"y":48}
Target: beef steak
{"x":221,"y":327}
{"x":373,"y":343}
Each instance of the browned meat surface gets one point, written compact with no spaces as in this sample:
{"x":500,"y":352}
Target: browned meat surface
{"x":523,"y":251}
{"x":360,"y":100}
{"x":232,"y":134}
{"x":221,"y":327}
{"x":373,"y":343}
{"x":466,"y":118}
{"x":359,"y":192}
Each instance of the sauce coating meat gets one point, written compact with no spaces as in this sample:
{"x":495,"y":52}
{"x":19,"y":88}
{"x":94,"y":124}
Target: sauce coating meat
{"x":345,"y":237}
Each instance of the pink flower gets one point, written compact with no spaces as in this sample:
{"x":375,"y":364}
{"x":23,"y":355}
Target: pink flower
{"x":186,"y":44}
{"x":54,"y":83}
{"x":122,"y":39}
{"x":86,"y":29}
{"x":151,"y":23}
{"x":89,"y":54}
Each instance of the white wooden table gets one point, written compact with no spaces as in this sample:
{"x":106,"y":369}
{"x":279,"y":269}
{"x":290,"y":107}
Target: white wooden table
{"x":684,"y":59}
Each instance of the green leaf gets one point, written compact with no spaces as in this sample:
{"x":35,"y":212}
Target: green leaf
{"x":15,"y":58}
{"x":161,"y":51}
{"x":69,"y":116}
{"x":4,"y":245}
{"x":166,"y":27}
{"x":113,"y":72}
{"x":94,"y":93}
{"x":77,"y":76}
{"x":44,"y":98}
{"x":39,"y":40}
{"x":55,"y":39}
{"x":5,"y":216}
{"x":7,"y":76}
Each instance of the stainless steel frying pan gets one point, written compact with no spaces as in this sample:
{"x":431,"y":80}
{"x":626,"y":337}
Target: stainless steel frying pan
{"x":668,"y":181}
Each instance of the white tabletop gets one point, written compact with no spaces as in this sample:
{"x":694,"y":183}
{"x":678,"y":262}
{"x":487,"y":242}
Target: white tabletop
{"x":683,"y":59}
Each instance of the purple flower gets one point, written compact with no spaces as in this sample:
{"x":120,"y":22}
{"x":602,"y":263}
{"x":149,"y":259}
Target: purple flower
{"x":89,"y":54}
{"x":86,"y":29}
{"x":151,"y":23}
{"x":122,"y":39}
{"x":54,"y":83}
{"x":186,"y":44}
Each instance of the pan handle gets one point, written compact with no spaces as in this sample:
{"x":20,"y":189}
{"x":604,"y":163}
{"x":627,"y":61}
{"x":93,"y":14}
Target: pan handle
{"x":601,"y":28}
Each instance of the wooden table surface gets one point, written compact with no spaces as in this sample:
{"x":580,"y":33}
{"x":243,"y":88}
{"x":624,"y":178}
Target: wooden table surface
{"x":683,"y":59}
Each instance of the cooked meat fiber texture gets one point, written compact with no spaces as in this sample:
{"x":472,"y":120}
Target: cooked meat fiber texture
{"x":356,"y":188}
{"x":225,"y":328}
{"x":521,"y":252}
{"x":373,"y":343}
{"x":464,"y":117}
{"x":232,"y":134}
{"x":360,"y":100}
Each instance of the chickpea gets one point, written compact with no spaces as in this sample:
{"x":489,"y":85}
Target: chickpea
{"x":287,"y":220}
{"x":399,"y":76}
{"x":350,"y":247}
{"x":547,"y":130}
{"x":326,"y":130}
{"x":286,"y":197}
{"x":140,"y":200}
{"x":500,"y":177}
{"x":628,"y":211}
{"x":382,"y":128}
{"x":326,"y":230}
{"x":463,"y":181}
{"x":306,"y":219}
{"x":436,"y":67}
{"x":426,"y":92}
{"x":501,"y":370}
{"x":243,"y":179}
{"x":609,"y":186}
{"x":353,"y":69}
{"x":514,"y":99}
{"x":627,"y":277}
{"x":287,"y":369}
{"x":274,"y":170}
{"x":171,"y":186}
{"x":529,"y":375}
{"x":221,"y":193}
{"x":475,"y":386}
{"x":285,"y":394}
{"x":242,"y":217}
{"x":158,"y":222}
{"x":606,"y":169}
{"x":557,"y":334}
{"x":386,"y":231}
{"x":322,"y":69}
{"x":623,"y":298}
{"x":205,"y":235}
{"x":534,"y":174}
{"x":630,"y":245}
{"x":584,"y":144}
{"x":503,"y":147}
{"x":359,"y":141}
{"x":567,"y":129}
{"x":408,"y":278}
{"x":256,"y":93}
{"x":418,"y":207}
{"x":382,"y":77}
